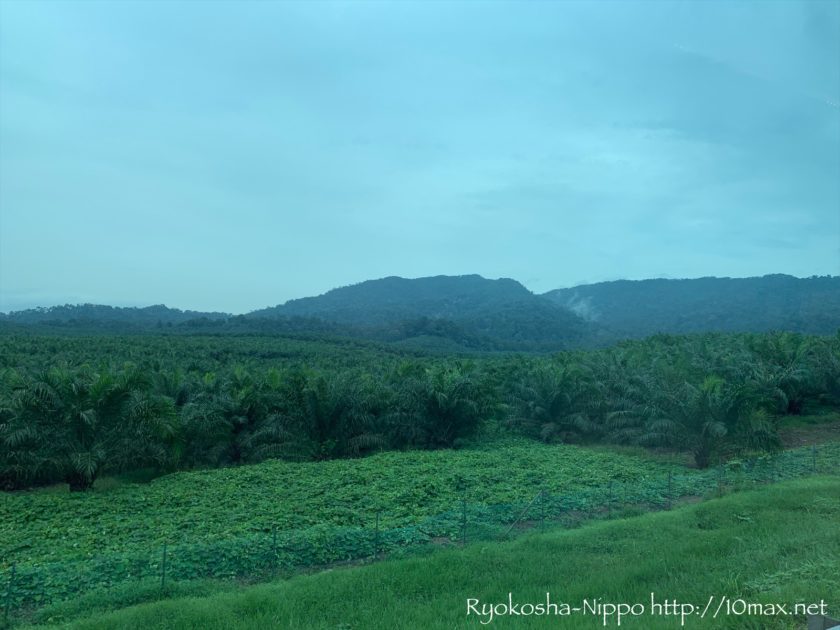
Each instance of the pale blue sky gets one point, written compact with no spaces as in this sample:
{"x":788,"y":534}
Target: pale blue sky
{"x":229,"y":156}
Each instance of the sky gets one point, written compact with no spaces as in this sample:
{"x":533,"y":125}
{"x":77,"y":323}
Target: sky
{"x":230,"y":156}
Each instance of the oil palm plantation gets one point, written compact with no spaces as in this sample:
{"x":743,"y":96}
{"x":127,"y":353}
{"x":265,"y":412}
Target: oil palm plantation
{"x":74,"y":424}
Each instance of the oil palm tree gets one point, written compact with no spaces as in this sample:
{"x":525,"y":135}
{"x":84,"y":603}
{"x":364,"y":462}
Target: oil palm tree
{"x":557,"y":403}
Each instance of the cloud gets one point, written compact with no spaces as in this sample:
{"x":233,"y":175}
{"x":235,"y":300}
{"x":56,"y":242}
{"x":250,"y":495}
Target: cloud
{"x":229,"y":157}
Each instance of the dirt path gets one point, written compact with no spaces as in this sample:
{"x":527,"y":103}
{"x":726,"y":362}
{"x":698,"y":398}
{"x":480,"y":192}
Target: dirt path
{"x":805,"y":434}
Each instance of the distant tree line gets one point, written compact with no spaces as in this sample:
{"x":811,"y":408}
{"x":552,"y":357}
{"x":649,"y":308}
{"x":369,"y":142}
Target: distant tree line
{"x":74,"y":409}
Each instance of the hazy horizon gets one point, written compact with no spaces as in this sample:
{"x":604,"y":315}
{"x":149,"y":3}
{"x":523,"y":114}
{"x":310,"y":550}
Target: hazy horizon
{"x":217,"y":310}
{"x":232,"y":156}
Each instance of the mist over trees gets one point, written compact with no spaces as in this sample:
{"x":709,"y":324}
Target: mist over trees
{"x":628,"y":308}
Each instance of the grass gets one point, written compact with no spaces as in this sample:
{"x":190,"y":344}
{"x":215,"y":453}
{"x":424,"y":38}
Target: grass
{"x":774,"y":545}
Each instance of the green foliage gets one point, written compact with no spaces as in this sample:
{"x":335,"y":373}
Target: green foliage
{"x":126,"y":403}
{"x":257,"y":520}
{"x":622,"y":561}
{"x":38,"y":526}
{"x":71,"y":425}
{"x":558,"y":402}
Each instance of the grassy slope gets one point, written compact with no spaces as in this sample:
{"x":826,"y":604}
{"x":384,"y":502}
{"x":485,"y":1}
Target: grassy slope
{"x":191,"y":507}
{"x":776,"y":544}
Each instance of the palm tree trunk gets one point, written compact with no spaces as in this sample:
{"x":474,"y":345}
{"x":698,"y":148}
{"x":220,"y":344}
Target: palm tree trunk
{"x":79,"y":482}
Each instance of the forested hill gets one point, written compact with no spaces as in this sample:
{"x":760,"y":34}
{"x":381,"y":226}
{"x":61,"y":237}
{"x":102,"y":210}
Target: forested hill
{"x":393,"y":298}
{"x":470,"y":311}
{"x":628,"y":308}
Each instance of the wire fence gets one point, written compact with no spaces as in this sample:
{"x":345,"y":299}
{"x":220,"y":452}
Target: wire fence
{"x":29,"y":587}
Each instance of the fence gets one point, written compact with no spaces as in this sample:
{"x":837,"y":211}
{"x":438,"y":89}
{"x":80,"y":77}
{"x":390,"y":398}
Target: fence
{"x":261,"y":556}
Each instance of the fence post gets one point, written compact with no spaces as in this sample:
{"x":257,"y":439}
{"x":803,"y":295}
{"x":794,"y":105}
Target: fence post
{"x":42,"y":597}
{"x":274,"y":542}
{"x":522,"y":514}
{"x":376,"y":538}
{"x":464,"y":516}
{"x":163,"y":569}
{"x":610,"y":501}
{"x":542,"y":508}
{"x":720,"y":480}
{"x":9,"y":593}
{"x":814,"y":458}
{"x":670,"y":490}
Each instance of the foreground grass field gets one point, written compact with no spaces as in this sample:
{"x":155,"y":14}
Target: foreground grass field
{"x":774,"y":545}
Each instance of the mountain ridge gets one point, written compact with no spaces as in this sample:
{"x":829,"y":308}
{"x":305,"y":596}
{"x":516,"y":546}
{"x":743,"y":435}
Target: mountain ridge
{"x":477,"y":313}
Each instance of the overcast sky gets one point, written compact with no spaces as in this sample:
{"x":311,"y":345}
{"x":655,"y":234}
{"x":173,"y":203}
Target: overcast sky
{"x":221,"y":156}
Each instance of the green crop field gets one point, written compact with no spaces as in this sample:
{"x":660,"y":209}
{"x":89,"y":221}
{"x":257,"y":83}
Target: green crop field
{"x":747,"y":545}
{"x":40,"y":526}
{"x":254,"y":521}
{"x":44,"y":525}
